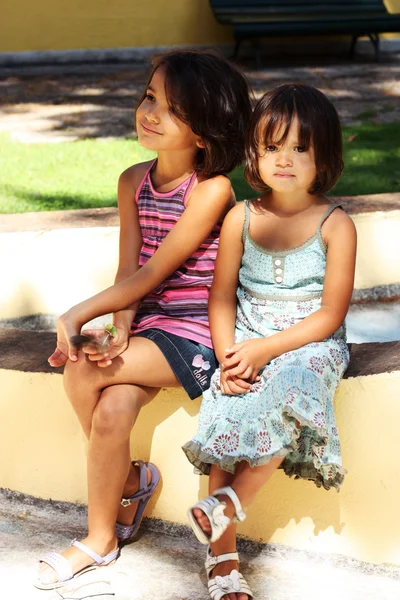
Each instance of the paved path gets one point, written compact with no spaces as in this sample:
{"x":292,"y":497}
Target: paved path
{"x":166,"y":563}
{"x":52,"y":104}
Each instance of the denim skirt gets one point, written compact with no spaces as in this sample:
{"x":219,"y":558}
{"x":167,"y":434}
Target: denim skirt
{"x":192,"y":363}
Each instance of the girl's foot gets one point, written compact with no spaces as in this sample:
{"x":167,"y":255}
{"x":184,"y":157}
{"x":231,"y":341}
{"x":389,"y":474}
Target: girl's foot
{"x":204,"y":521}
{"x":224,"y":569}
{"x":77,"y":558}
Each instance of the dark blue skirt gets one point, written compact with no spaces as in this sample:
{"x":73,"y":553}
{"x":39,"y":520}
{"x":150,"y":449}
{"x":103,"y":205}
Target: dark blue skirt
{"x":192,"y":363}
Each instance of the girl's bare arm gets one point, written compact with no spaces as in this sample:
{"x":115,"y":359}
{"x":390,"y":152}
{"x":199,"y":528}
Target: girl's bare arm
{"x":222,"y":303}
{"x":130,"y":242}
{"x":209,"y":202}
{"x":130,"y":236}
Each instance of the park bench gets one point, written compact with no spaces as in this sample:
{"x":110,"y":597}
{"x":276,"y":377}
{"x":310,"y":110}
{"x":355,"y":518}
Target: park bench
{"x":255,"y":19}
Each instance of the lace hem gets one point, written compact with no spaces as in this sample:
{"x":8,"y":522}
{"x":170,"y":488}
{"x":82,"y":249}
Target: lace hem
{"x":326,"y":475}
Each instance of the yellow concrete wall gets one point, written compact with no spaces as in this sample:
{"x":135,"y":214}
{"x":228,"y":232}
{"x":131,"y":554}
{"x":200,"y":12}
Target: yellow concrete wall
{"x":73,"y":24}
{"x":68,"y":25}
{"x":38,"y":280}
{"x":42,"y":452}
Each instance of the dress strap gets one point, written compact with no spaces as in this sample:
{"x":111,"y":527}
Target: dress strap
{"x":246,"y":222}
{"x":326,"y":214}
{"x":192,"y":180}
{"x":145,"y":176}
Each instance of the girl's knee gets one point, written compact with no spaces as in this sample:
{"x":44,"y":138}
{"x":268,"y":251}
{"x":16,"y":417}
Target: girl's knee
{"x":79,"y":375}
{"x":115,"y":412}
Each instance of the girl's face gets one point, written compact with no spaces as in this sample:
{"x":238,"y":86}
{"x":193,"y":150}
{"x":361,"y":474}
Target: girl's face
{"x":287,"y":167}
{"x":157,"y":128}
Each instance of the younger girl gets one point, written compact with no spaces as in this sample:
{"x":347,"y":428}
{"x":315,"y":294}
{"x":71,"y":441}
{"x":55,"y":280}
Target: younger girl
{"x":282,"y":287}
{"x":193,"y":114}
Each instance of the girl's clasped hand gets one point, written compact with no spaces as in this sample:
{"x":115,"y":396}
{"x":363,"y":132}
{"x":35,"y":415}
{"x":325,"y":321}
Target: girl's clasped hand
{"x":242,"y":364}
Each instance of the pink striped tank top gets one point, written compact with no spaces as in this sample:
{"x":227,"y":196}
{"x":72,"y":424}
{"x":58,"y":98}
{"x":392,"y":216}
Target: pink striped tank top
{"x":179,"y":304}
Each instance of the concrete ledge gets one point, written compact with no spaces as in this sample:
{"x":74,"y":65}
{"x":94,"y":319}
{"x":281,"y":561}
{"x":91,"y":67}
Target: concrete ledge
{"x":28,"y":351}
{"x":48,"y":450}
{"x":108,"y":217}
{"x":38,"y":280}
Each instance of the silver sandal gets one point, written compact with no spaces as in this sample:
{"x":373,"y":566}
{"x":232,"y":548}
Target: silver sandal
{"x":214,"y":508}
{"x":234,"y":583}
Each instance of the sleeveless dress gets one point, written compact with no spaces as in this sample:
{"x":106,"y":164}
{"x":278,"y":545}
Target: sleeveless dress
{"x":175,"y":314}
{"x":289,"y":412}
{"x":179,"y":305}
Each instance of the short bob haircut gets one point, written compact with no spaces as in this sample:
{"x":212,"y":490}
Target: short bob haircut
{"x":319,"y":126}
{"x":212,"y":96}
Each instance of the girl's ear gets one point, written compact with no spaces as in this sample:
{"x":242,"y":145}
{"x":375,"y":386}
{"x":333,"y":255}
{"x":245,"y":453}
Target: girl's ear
{"x":200,"y":143}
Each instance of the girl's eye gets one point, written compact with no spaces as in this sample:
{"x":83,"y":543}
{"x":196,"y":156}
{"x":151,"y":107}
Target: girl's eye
{"x":149,"y":97}
{"x":300,"y":149}
{"x":271,"y":148}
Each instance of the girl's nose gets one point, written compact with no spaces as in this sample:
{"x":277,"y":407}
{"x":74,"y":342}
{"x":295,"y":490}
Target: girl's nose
{"x":283,"y":159}
{"x":151,"y":115}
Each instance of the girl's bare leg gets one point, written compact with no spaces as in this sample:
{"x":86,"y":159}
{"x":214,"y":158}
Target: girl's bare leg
{"x":107,"y":402}
{"x":246,"y":482}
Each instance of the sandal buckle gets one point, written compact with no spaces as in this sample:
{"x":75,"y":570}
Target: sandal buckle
{"x":212,"y":561}
{"x":125,"y":502}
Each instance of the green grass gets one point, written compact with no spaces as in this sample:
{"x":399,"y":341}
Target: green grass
{"x":84,"y":174}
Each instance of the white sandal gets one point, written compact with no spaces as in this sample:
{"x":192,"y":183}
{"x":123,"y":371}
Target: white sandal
{"x":64,"y":570}
{"x":234,"y":583}
{"x":214,"y":508}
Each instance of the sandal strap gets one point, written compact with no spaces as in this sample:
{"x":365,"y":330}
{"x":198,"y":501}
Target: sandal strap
{"x":142,"y":474}
{"x":230,"y":492}
{"x":212,"y":561}
{"x":99,"y":560}
{"x":144,"y":489}
{"x":60,"y":565}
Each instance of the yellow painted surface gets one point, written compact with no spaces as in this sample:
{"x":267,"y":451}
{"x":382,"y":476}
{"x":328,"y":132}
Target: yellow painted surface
{"x":393,"y":6}
{"x":378,"y":249}
{"x":37,"y":279}
{"x":73,"y":24}
{"x":42,"y":452}
{"x":46,"y":25}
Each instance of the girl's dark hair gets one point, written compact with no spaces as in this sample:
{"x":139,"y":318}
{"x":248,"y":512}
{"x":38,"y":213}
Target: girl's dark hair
{"x":319,"y":125}
{"x":212,"y":96}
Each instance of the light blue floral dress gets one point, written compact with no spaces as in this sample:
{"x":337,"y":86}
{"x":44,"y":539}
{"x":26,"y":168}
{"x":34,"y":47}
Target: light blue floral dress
{"x":289,"y":412}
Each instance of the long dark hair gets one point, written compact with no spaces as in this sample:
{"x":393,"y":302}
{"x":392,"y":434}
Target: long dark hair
{"x":319,"y":125}
{"x":212,"y":96}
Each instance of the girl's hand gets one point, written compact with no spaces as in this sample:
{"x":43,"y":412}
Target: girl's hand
{"x":66,"y":329}
{"x":246,"y":359}
{"x":233,"y":385}
{"x":118,"y":344}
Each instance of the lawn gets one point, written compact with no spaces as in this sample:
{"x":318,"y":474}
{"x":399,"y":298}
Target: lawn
{"x":35,"y":177}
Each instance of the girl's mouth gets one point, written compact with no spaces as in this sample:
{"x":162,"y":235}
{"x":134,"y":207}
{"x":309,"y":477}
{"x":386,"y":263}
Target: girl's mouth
{"x":148,"y":130}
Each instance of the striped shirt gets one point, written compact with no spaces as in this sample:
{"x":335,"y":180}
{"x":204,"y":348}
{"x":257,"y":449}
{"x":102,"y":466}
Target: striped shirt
{"x":179,"y":304}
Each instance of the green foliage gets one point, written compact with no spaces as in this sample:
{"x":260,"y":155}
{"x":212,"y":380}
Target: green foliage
{"x":84,"y":174}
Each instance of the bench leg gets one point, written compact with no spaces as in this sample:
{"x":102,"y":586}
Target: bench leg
{"x":256,"y":46}
{"x":353,"y":45}
{"x":237,"y":46}
{"x":374,"y":37}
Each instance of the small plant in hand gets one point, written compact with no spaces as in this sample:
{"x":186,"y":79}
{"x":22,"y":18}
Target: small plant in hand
{"x":99,"y":341}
